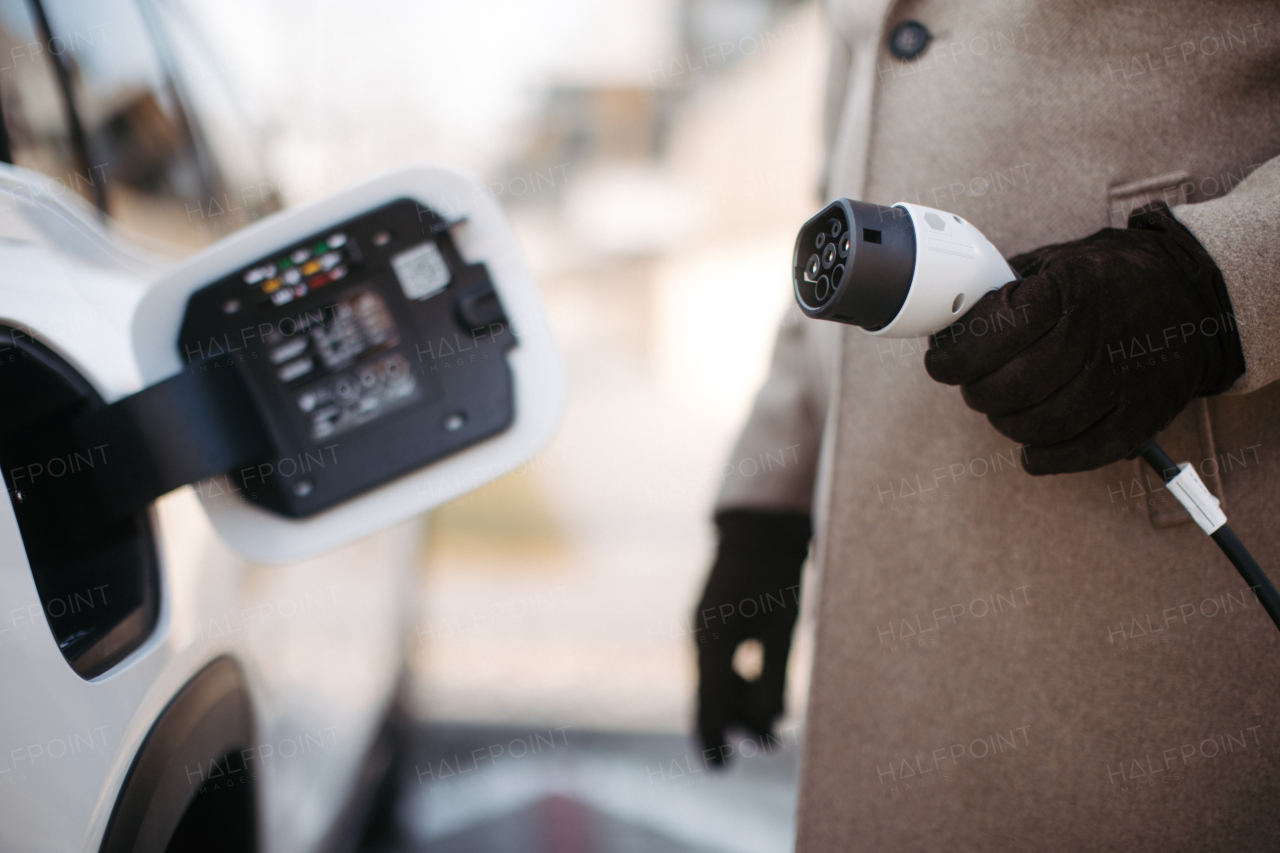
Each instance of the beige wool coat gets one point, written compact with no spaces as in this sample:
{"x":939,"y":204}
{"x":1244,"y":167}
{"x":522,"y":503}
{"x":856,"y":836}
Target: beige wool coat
{"x":1007,"y":662}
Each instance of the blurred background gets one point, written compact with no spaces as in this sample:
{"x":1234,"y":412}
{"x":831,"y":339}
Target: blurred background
{"x":655,"y":158}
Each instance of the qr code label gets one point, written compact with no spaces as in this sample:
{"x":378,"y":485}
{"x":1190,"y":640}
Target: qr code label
{"x":422,"y":271}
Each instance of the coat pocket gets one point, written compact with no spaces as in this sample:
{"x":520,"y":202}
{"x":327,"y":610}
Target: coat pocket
{"x":1124,"y":199}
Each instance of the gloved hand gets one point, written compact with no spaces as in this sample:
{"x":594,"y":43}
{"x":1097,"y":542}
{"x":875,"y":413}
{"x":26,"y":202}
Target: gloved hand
{"x":753,"y":593}
{"x":1099,"y":347}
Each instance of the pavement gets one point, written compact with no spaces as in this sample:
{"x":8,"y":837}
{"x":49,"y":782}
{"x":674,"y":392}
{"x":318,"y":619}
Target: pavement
{"x":490,"y":789}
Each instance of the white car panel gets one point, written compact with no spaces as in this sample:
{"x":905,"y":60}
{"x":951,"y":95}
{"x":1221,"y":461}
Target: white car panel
{"x":319,"y":639}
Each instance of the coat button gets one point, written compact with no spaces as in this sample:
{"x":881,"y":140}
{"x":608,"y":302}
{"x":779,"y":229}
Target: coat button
{"x":908,"y":40}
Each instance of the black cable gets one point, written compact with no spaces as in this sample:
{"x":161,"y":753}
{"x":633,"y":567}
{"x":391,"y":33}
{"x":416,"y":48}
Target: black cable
{"x":1226,"y":539}
{"x":190,"y":426}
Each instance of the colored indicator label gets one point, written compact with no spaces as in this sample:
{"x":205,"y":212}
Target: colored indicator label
{"x":258,"y":274}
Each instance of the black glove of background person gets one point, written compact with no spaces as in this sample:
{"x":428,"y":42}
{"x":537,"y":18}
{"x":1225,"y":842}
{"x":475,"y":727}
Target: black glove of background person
{"x":753,"y":593}
{"x":1099,"y":347}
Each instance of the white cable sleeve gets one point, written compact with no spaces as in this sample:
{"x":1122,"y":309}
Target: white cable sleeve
{"x":1192,"y":493}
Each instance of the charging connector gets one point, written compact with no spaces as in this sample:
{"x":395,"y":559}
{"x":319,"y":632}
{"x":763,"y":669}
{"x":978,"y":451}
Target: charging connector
{"x":914,"y":271}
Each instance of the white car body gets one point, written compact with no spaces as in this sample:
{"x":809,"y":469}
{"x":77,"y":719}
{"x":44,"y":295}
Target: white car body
{"x":319,"y":640}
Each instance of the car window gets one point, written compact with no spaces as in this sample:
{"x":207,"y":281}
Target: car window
{"x":227,"y":133}
{"x":146,"y":159}
{"x":133,"y":117}
{"x":34,"y":112}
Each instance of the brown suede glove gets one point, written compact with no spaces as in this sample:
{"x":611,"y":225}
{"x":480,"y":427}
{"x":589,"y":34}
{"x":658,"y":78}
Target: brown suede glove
{"x":1098,"y":347}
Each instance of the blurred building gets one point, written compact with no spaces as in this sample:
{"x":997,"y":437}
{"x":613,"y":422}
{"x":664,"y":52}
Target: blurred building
{"x":622,"y":109}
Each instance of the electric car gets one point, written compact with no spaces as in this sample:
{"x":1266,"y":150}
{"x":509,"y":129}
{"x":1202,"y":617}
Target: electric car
{"x":198,"y":668}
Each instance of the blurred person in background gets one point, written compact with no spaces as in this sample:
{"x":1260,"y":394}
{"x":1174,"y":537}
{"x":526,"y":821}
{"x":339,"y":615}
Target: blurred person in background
{"x":1007,"y":661}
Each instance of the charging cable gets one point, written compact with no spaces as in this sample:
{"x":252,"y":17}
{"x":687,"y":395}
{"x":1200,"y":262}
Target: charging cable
{"x":1186,"y":485}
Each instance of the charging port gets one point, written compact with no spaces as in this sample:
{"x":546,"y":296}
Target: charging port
{"x":95,"y":573}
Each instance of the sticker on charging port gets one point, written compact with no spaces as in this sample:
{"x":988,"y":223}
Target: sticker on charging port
{"x":422,"y":271}
{"x":331,"y":337}
{"x":351,"y":394}
{"x":357,"y":397}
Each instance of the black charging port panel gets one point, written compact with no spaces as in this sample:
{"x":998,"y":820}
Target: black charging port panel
{"x":370,"y":349}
